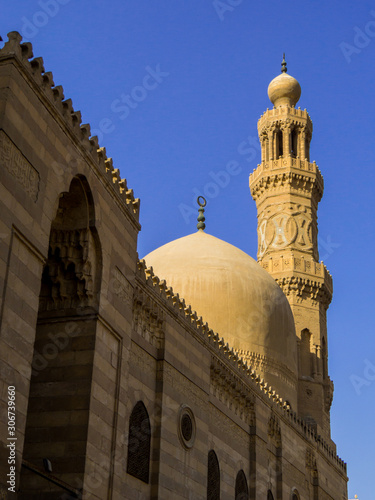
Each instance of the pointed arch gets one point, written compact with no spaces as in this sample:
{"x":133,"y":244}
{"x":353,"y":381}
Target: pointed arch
{"x":64,"y":346}
{"x":213,"y":477}
{"x":241,"y":490}
{"x":294,"y":143}
{"x":269,"y":495}
{"x":295,"y":494}
{"x":305,"y":353}
{"x":279,"y":144}
{"x":139,"y":443}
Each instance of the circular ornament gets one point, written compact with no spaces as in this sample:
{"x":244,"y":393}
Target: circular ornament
{"x":186,"y":426}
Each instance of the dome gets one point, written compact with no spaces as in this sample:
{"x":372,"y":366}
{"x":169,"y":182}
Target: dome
{"x":284,"y":90}
{"x":238,"y":299}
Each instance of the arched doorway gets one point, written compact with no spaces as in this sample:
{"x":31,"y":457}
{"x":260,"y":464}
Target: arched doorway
{"x":60,"y":385}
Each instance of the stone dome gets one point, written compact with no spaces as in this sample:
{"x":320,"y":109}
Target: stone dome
{"x":284,"y":90}
{"x":238,"y":299}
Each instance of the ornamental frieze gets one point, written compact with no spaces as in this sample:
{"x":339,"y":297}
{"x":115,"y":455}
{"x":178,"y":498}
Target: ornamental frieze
{"x":18,"y":166}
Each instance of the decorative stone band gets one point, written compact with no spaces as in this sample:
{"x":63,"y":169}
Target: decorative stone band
{"x":227,"y":356}
{"x":22,"y":53}
{"x":18,"y":166}
{"x":232,"y":391}
{"x":148,"y":318}
{"x":305,"y":289}
{"x":301,"y":265}
{"x":286,"y":174}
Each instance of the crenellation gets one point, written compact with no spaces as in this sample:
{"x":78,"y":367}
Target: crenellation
{"x":94,"y":144}
{"x":67,"y":105}
{"x":37,"y":67}
{"x":58,"y":96}
{"x":85,"y":131}
{"x":116,"y":175}
{"x":47,"y":84}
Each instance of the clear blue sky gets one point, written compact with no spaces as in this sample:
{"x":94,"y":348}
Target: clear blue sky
{"x":213,"y":65}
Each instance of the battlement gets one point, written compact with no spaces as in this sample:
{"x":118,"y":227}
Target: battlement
{"x":33,"y":68}
{"x":231,"y":359}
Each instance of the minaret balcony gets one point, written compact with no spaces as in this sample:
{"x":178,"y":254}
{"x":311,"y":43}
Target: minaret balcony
{"x":293,"y":174}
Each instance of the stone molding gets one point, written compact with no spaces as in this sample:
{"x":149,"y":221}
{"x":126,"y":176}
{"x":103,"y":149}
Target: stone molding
{"x":286,"y":175}
{"x":302,"y":288}
{"x":301,"y":278}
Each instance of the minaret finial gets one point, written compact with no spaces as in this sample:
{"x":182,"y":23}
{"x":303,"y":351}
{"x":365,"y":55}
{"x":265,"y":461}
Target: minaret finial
{"x":201,"y":218}
{"x":283,"y":65}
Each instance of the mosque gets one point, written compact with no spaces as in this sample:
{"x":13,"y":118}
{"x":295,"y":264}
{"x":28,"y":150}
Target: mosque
{"x":193,"y":373}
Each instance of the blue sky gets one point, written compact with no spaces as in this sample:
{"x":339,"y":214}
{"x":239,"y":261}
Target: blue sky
{"x":211,"y":63}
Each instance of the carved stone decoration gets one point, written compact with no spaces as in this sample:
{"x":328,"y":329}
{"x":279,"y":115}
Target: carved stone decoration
{"x":274,"y":432}
{"x":290,"y":226}
{"x":303,"y":288}
{"x":68,"y":277}
{"x":232,"y":392}
{"x":148,"y":318}
{"x":310,"y":460}
{"x":328,"y":394}
{"x":122,"y":287}
{"x":18,"y":166}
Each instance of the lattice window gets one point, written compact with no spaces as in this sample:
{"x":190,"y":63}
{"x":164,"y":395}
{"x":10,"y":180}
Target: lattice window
{"x":139,"y":443}
{"x":213,"y":477}
{"x":242,"y":491}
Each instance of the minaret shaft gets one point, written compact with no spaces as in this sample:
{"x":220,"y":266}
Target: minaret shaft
{"x":287,"y":188}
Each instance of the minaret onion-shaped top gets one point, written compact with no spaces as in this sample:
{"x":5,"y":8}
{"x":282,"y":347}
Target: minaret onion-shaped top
{"x":284,"y":90}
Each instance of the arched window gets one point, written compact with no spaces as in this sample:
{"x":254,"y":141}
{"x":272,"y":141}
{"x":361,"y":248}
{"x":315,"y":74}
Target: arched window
{"x":269,"y":495}
{"x":307,"y":149}
{"x":279,"y":144}
{"x":213,"y":477}
{"x":294,"y":143}
{"x":295,"y":496}
{"x":139,"y":443}
{"x":242,"y":491}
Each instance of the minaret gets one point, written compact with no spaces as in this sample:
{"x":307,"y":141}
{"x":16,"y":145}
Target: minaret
{"x":287,"y":189}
